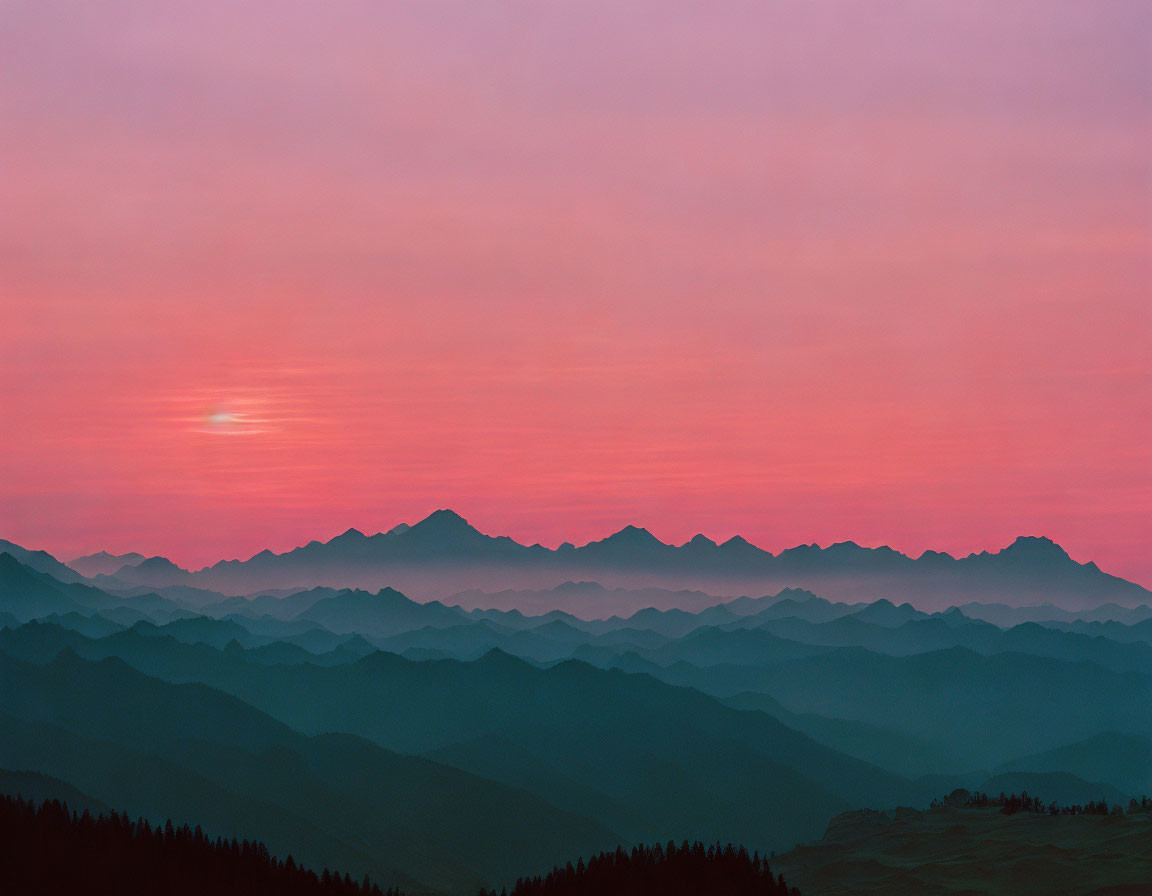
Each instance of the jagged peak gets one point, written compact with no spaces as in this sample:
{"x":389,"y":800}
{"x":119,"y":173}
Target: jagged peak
{"x":739,"y":542}
{"x":387,"y":593}
{"x":630,"y":535}
{"x":501,"y":659}
{"x":66,"y":656}
{"x":1034,"y":547}
{"x":156,"y":563}
{"x":700,"y":540}
{"x":631,"y":531}
{"x":1035,"y":541}
{"x":796,"y":594}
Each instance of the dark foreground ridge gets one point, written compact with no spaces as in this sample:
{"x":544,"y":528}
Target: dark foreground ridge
{"x":685,"y":870}
{"x":48,"y":849}
{"x":978,"y":845}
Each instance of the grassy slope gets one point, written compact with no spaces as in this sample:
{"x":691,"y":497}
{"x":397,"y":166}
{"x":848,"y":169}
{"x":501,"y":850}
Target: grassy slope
{"x":973,"y":851}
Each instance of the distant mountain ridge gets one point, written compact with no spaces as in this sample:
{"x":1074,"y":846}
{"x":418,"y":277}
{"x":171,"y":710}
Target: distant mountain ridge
{"x":40,"y":561}
{"x":443,"y":555}
{"x":104,"y":563}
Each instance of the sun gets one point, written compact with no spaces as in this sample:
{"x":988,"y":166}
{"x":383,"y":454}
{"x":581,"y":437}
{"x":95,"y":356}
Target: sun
{"x":222,"y":418}
{"x":225,"y":420}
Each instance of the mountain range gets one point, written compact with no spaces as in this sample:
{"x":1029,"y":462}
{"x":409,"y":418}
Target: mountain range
{"x":443,"y":556}
{"x":446,"y":745}
{"x":161,"y":750}
{"x":844,"y":674}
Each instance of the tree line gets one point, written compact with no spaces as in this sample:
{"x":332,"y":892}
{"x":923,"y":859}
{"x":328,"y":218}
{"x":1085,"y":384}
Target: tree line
{"x":1010,"y":804}
{"x":49,"y":849}
{"x":671,"y":870}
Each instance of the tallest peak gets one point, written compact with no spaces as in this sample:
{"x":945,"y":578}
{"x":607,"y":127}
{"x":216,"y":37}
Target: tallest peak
{"x":441,"y":522}
{"x":444,"y":515}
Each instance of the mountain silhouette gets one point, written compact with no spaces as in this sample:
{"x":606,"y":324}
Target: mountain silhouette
{"x":41,"y":561}
{"x":630,"y":546}
{"x":103,"y":563}
{"x":153,"y":571}
{"x":443,"y":553}
{"x":384,"y":613}
{"x":1124,"y":760}
{"x":438,"y":555}
{"x":28,"y":594}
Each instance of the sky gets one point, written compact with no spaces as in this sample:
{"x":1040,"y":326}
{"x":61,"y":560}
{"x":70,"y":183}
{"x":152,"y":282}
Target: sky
{"x":806,"y":272}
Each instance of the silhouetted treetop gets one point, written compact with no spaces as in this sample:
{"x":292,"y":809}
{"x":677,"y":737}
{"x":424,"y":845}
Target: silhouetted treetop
{"x":1010,"y":804}
{"x":671,"y":870}
{"x":47,"y":849}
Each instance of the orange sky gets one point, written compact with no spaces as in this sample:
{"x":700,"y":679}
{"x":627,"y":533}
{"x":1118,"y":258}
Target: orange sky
{"x":806,"y":272}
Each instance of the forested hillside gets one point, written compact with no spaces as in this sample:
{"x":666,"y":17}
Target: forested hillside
{"x":47,"y":848}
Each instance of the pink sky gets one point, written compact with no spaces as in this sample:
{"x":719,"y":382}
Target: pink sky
{"x":804,"y":272}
